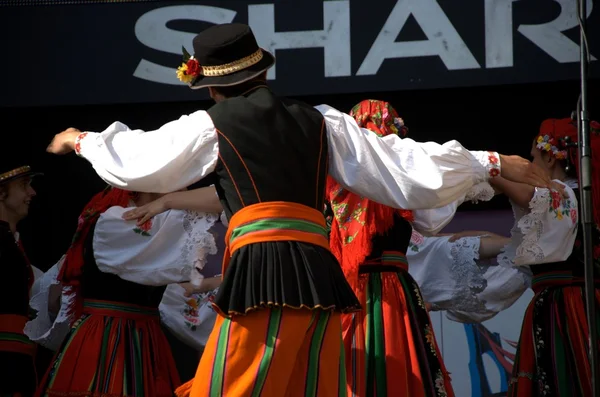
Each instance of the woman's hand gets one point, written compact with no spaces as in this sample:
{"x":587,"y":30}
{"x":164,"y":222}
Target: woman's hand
{"x":146,"y":212}
{"x":206,"y":285}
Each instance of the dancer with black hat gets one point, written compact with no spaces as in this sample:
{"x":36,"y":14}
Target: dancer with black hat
{"x":279,"y":329}
{"x":17,"y":365}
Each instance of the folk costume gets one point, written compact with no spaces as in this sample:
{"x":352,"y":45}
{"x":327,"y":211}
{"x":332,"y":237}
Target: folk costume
{"x":390,"y":347}
{"x":116,"y":273}
{"x":278,"y":331}
{"x":17,"y":366}
{"x":452,"y":277}
{"x":552,"y":355}
{"x":190,"y":319}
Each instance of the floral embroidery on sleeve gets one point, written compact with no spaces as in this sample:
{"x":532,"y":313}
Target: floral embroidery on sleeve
{"x":144,"y":228}
{"x":494,"y":165}
{"x":415,"y":241}
{"x":78,"y":142}
{"x":562,"y":207}
{"x":190,"y":311}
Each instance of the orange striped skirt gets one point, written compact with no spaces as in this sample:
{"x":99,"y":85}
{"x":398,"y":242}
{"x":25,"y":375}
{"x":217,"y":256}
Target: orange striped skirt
{"x":113,"y":350}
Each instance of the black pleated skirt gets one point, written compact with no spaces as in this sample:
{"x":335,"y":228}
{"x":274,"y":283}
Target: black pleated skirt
{"x":284,"y":274}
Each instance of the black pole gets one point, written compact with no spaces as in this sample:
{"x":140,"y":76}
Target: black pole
{"x":587,"y":217}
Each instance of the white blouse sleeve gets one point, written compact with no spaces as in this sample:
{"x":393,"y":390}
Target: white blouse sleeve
{"x":175,"y":156}
{"x":545,"y":232}
{"x":452,"y":278}
{"x":49,"y":329}
{"x":162,"y":251}
{"x":503,"y":287}
{"x":432,"y":221}
{"x":190,"y":319}
{"x":402,"y":173}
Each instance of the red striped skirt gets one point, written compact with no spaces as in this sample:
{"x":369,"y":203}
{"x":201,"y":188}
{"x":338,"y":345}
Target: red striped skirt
{"x":552,"y":356}
{"x":113,"y":350}
{"x":390,"y":346}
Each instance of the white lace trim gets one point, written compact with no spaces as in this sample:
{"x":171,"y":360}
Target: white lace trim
{"x":45,"y":329}
{"x":224,"y":219}
{"x":200,"y":242}
{"x":524,"y":247}
{"x":468,"y":275}
{"x":532,"y":227}
{"x":480,"y":192}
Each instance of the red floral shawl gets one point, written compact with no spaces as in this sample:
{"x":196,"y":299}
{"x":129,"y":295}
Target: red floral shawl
{"x":356,"y":220}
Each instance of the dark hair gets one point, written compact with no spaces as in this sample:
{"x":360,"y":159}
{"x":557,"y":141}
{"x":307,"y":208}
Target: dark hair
{"x":242,"y":88}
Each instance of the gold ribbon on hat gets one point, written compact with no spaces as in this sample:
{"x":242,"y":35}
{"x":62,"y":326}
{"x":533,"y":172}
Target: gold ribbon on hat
{"x":15,"y":172}
{"x":232,"y":67}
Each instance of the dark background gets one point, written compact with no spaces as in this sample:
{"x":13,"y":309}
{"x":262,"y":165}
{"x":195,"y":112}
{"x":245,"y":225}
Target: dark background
{"x":71,"y":66}
{"x":85,"y":52}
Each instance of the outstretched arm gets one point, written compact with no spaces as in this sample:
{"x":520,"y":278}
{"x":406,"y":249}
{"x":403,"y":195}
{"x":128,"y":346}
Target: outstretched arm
{"x":203,"y":199}
{"x":406,"y":174}
{"x":173,"y":157}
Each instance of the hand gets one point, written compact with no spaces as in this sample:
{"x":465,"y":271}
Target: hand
{"x":189,"y":288}
{"x":146,"y":212}
{"x":517,"y":169}
{"x":64,"y":142}
{"x":206,"y":285}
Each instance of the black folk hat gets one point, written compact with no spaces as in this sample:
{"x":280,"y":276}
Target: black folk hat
{"x":12,"y":169}
{"x":224,"y":55}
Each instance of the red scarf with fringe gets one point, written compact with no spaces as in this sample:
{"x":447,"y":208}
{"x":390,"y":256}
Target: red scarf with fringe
{"x":356,"y":220}
{"x":72,"y":268}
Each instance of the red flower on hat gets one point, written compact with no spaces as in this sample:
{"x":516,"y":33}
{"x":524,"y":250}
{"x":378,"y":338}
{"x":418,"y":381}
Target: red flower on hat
{"x":193,"y":67}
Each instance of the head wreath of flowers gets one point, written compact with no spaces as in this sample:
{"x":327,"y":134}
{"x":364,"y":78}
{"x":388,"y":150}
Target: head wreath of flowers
{"x":190,"y":69}
{"x":549,"y":144}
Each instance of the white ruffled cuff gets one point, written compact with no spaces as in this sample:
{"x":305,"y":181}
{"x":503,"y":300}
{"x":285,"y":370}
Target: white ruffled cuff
{"x":46,"y":329}
{"x":480,"y":192}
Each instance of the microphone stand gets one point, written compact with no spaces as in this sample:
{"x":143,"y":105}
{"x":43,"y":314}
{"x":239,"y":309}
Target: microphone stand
{"x":587,"y":217}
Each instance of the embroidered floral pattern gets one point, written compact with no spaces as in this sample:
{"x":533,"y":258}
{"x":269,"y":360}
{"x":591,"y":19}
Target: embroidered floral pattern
{"x":494,"y":165}
{"x":417,"y":292}
{"x":416,"y":239}
{"x":430,"y":337}
{"x":190,"y":311}
{"x":440,"y":384}
{"x":144,"y":228}
{"x":384,"y":117}
{"x":541,"y":356}
{"x":528,"y":244}
{"x":78,"y":142}
{"x":562,"y":207}
{"x":346,"y":219}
